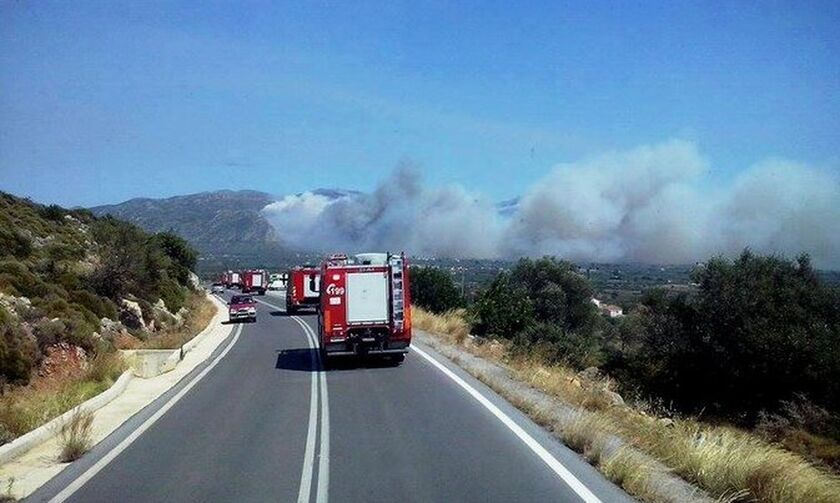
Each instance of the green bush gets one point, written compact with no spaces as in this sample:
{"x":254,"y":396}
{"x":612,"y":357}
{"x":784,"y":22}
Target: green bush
{"x":100,"y":306}
{"x":559,"y":293}
{"x":52,"y":212}
{"x":18,"y":352}
{"x":761,"y":330}
{"x":172,"y":294}
{"x":544,"y":305}
{"x":554,"y":344}
{"x":433,"y":289}
{"x":13,"y":243}
{"x":182,"y":255}
{"x":503,"y":309}
{"x":17,"y":275}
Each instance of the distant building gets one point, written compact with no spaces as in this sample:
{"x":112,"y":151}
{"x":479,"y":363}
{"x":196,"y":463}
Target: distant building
{"x":608,"y":309}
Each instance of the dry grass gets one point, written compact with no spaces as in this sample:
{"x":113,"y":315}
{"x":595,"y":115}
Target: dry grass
{"x":25,"y":408}
{"x":728,"y":463}
{"x":450,"y":325}
{"x":200,"y":311}
{"x":75,"y":436}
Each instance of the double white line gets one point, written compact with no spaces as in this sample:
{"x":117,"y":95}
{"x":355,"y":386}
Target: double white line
{"x":317,"y":396}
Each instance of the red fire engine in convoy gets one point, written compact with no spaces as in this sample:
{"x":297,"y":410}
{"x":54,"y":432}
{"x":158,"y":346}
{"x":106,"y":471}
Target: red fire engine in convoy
{"x":230,"y":279}
{"x":254,"y":281}
{"x":365,"y":305}
{"x":302,"y":288}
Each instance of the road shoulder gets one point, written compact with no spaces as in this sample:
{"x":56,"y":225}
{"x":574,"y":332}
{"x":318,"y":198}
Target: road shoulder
{"x":38,"y":466}
{"x":477,"y":371}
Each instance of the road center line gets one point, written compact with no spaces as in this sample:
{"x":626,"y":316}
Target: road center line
{"x":119,"y":448}
{"x":319,"y":377}
{"x":309,"y":452}
{"x":322,"y":494}
{"x":573,"y":482}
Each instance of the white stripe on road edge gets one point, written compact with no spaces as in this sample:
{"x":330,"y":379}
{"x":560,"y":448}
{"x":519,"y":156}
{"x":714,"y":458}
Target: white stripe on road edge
{"x":557,"y":467}
{"x":309,"y":453}
{"x":127,"y":441}
{"x":322,"y":490}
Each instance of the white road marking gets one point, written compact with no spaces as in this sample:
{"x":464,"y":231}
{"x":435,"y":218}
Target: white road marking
{"x":552,"y":462}
{"x":309,"y":453}
{"x":322,"y":490}
{"x":116,"y":451}
{"x":322,"y":494}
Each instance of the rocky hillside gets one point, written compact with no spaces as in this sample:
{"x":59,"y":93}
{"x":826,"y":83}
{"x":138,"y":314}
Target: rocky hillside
{"x":70,"y":278}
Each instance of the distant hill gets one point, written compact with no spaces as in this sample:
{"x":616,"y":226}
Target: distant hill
{"x":225,"y":225}
{"x":209,"y":220}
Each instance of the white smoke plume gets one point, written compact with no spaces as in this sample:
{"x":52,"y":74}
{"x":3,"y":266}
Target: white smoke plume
{"x":401,"y":214}
{"x":650,"y":204}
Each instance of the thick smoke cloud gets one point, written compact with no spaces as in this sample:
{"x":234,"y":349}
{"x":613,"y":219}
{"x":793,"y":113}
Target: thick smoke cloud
{"x":401,"y":214}
{"x":648,"y":204}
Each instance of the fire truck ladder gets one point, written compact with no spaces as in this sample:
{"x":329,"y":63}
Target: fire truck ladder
{"x":397,"y":290}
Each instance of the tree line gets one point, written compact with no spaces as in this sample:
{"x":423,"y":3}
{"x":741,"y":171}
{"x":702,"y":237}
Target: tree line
{"x":758,"y":331}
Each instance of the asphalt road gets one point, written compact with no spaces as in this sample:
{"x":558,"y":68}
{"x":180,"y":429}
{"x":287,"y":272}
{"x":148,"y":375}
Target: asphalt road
{"x":262,"y":420}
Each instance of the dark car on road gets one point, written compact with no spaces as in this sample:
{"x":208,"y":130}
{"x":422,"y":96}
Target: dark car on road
{"x":242,"y":307}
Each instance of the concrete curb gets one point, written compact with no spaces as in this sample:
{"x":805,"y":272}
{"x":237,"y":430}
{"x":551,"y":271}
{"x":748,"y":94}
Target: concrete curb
{"x":192,"y":343}
{"x":20,"y":445}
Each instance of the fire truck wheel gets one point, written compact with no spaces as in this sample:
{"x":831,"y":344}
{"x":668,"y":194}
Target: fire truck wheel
{"x":397,"y":359}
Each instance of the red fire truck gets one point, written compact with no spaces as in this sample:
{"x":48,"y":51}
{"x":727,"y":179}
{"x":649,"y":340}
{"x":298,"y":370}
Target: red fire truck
{"x":302,"y":288}
{"x":365,"y":305}
{"x":231,"y":279}
{"x":255,"y":281}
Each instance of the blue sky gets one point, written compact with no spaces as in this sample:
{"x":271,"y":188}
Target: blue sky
{"x":104,"y":101}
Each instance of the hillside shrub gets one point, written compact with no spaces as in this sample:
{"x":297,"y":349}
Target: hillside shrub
{"x":182,"y":255}
{"x":761,"y":330}
{"x":13,"y":243}
{"x":433,"y":289}
{"x":100,"y":306}
{"x":554,"y":344}
{"x":503,"y":309}
{"x":172,"y":294}
{"x":18,"y":351}
{"x":560,"y":295}
{"x":52,"y":212}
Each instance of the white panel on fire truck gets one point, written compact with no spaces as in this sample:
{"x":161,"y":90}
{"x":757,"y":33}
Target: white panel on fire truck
{"x":367,"y":297}
{"x":310,"y":285}
{"x":257,"y":279}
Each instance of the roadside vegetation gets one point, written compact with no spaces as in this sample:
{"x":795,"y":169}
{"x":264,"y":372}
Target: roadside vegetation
{"x":734,"y":388}
{"x":74,"y":288}
{"x":75,"y":436}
